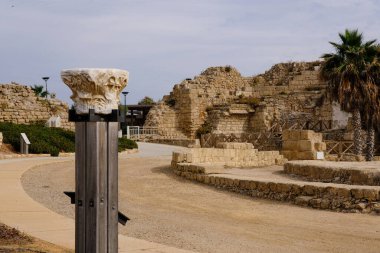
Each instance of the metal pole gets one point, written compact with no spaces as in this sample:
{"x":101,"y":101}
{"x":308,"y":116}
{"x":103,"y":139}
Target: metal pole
{"x":125,"y":110}
{"x":125,"y":93}
{"x":46,"y":78}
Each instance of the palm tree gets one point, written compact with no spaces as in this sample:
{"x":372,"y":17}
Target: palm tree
{"x":371,"y":110}
{"x":39,"y":91}
{"x":346,"y":73}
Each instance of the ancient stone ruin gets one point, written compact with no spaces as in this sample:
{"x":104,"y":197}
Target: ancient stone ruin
{"x":221,"y":100}
{"x":19,"y":104}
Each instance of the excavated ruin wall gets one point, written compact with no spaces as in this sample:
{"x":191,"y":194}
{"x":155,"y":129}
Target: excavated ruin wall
{"x":20,"y":105}
{"x":285,"y":87}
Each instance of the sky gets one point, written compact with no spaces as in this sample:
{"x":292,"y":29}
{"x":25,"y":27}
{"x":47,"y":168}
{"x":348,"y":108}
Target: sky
{"x":162,"y":42}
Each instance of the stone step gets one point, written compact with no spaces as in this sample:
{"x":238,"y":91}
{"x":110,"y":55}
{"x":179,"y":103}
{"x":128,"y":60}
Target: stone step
{"x":271,"y":183}
{"x":356,"y":173}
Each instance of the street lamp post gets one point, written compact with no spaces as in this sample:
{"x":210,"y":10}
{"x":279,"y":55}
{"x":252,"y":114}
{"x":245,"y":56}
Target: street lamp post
{"x":125,"y":93}
{"x":46,"y":78}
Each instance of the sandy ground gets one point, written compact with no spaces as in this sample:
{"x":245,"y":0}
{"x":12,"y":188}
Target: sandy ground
{"x":169,"y":210}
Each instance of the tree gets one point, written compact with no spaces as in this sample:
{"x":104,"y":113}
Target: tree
{"x":371,"y":110}
{"x":146,"y":101}
{"x":39,"y":91}
{"x":348,"y":78}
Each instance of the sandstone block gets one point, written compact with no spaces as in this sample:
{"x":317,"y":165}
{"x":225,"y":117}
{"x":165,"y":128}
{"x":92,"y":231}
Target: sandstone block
{"x":320,"y":146}
{"x":295,"y":135}
{"x":286,"y":135}
{"x":309,"y":190}
{"x":325,"y":203}
{"x":316,"y":203}
{"x":302,"y":200}
{"x":305,"y":145}
{"x":371,"y":195}
{"x":307,"y":155}
{"x":306,"y":134}
{"x":290,"y":155}
{"x":252,"y":185}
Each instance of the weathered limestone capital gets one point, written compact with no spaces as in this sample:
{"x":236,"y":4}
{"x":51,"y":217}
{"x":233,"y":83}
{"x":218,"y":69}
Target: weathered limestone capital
{"x":97,"y":89}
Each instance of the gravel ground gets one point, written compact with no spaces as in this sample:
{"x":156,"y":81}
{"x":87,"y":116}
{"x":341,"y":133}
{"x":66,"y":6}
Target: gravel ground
{"x":172,"y":211}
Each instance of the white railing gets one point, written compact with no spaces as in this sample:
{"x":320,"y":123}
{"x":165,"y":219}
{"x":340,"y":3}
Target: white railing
{"x":137,"y":132}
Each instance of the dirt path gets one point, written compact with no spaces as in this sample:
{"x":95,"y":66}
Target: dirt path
{"x":169,"y":210}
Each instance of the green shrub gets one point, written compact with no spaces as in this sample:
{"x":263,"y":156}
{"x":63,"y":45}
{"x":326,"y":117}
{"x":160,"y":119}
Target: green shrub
{"x":54,"y":152}
{"x":206,"y":128}
{"x":125,"y":143}
{"x":43,"y":140}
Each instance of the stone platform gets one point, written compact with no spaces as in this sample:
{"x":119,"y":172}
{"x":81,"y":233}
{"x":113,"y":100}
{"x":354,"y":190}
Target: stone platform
{"x":355,"y":173}
{"x":272,"y":183}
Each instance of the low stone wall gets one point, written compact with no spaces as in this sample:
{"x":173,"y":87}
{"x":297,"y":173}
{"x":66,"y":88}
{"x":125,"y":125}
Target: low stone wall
{"x":367,"y":174}
{"x":231,"y":155}
{"x":323,"y":196}
{"x":302,"y":144}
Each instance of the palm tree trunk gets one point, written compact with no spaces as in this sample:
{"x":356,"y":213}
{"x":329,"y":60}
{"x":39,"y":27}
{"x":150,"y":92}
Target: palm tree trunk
{"x":370,"y":143}
{"x":356,"y":121}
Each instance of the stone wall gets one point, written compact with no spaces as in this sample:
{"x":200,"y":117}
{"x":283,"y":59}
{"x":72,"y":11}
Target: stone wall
{"x":347,"y":198}
{"x":230,"y":119}
{"x":229,"y":154}
{"x":166,"y":118}
{"x":367,"y":173}
{"x":20,"y":105}
{"x":285,"y":87}
{"x":302,"y":144}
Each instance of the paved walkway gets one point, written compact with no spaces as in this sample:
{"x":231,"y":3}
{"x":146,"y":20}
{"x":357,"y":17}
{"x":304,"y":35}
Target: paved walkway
{"x":18,"y":210}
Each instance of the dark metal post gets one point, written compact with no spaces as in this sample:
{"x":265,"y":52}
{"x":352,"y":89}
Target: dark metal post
{"x":125,"y":93}
{"x":46,"y":78}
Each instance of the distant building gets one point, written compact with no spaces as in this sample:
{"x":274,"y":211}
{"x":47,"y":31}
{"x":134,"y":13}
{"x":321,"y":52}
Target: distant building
{"x":136,"y":114}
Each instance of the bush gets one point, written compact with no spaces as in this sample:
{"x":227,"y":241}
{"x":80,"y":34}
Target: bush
{"x":54,"y":152}
{"x":204,"y":129}
{"x":125,"y":143}
{"x":43,"y":140}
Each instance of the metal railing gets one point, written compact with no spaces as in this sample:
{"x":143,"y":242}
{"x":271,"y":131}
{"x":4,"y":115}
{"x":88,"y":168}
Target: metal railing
{"x":137,"y":132}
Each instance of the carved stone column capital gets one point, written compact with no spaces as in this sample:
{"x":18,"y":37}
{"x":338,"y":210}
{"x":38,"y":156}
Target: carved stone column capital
{"x":97,"y":89}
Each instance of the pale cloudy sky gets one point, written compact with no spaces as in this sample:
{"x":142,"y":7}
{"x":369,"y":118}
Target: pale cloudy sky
{"x":162,"y":42}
